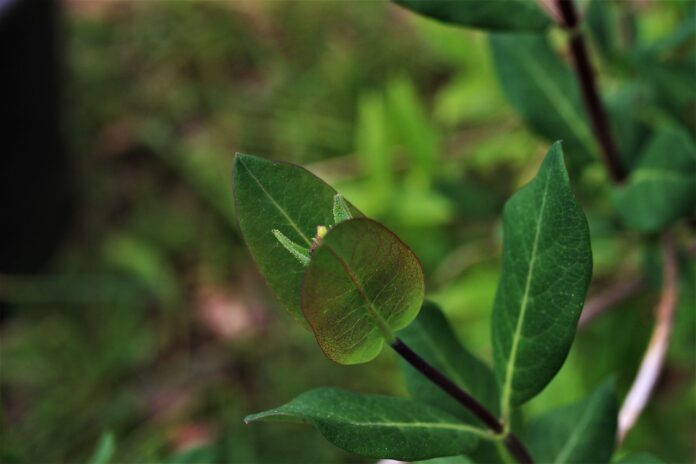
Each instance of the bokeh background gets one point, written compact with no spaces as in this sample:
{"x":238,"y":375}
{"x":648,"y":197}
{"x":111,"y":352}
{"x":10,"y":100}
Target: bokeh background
{"x":131,"y":311}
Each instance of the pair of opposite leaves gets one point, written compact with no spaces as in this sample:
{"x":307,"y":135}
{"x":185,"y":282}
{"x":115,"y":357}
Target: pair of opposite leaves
{"x":363,"y":283}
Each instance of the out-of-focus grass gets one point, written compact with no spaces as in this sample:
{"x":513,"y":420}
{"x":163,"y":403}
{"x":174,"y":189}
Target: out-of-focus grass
{"x":152,"y":326}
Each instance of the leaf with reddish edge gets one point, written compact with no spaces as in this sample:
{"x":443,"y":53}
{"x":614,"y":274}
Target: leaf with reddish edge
{"x":362,"y":284}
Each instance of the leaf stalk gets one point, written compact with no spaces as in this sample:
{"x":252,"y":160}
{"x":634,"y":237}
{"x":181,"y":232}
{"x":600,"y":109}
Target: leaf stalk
{"x":511,"y":442}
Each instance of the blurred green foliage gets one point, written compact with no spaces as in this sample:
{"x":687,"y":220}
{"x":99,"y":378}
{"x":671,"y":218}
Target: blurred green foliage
{"x":151,"y":335}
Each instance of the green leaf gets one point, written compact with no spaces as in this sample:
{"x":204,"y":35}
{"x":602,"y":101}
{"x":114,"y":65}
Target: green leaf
{"x":412,"y":127}
{"x":377,"y":426}
{"x":639,"y":458}
{"x":625,"y":108}
{"x":431,"y":336}
{"x":662,"y":187}
{"x":547,"y":264}
{"x":290,"y":199}
{"x":601,"y":19}
{"x":105,"y":449}
{"x":300,"y":253}
{"x":374,"y":149}
{"x":362,"y":284}
{"x":499,"y":15}
{"x":578,"y":433}
{"x":341,"y":210}
{"x":543,"y":90}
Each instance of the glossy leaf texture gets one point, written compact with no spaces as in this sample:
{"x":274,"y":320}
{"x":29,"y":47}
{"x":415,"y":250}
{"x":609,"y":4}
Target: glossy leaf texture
{"x":377,"y":426}
{"x":662,"y":187}
{"x":542,"y":88}
{"x":498,"y":15}
{"x":362,"y":284}
{"x":431,"y":336}
{"x":270,"y":195}
{"x":578,"y":433}
{"x":547,"y":265}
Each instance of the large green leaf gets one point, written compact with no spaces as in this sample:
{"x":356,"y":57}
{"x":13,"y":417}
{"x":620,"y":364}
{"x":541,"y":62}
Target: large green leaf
{"x":377,"y":426}
{"x":284,"y":197}
{"x":498,"y":15}
{"x":362,"y":284}
{"x":662,"y":187}
{"x":578,"y":433}
{"x":547,"y":264}
{"x":543,"y":90}
{"x":431,"y":336}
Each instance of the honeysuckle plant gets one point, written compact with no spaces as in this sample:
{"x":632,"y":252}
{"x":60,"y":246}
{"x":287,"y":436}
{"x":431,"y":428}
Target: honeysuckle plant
{"x":358,"y":287}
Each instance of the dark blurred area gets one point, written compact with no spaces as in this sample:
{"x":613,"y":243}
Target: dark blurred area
{"x":133,"y":319}
{"x":36,"y":182}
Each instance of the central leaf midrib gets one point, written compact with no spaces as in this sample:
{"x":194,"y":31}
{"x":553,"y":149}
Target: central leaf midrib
{"x":425,"y":425}
{"x":275,"y":203}
{"x":381,"y":323}
{"x":396,"y":424}
{"x":509,"y":371}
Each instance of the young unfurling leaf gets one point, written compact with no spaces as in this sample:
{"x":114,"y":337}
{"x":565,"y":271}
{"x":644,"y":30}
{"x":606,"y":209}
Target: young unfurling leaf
{"x":299,"y":252}
{"x":341,"y":211}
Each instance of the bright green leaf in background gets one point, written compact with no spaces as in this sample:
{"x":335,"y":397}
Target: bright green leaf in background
{"x":668,"y":68}
{"x":362,"y":284}
{"x":374,"y":151}
{"x":431,"y":336}
{"x":280,"y":196}
{"x":105,"y":449}
{"x":547,"y":265}
{"x":662,"y":187}
{"x":578,"y":433}
{"x":377,"y":426}
{"x":412,"y":127}
{"x":543,"y":90}
{"x":498,"y":15}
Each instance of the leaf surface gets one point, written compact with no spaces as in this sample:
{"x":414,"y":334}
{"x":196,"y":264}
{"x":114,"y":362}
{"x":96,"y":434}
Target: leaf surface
{"x":498,"y":15}
{"x":431,"y":336}
{"x":543,"y":90}
{"x":578,"y":433}
{"x":639,"y":458}
{"x":547,"y":264}
{"x":281,"y":196}
{"x":377,"y":426}
{"x":662,"y":187}
{"x":362,"y":284}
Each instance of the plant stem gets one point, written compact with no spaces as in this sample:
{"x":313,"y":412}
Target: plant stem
{"x":651,"y":365}
{"x":588,"y":86}
{"x":511,"y":442}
